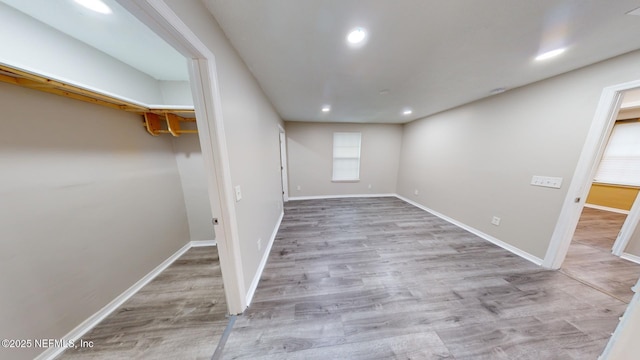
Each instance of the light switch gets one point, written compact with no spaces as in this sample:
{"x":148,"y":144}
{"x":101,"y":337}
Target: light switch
{"x":547,"y":181}
{"x":238,"y":193}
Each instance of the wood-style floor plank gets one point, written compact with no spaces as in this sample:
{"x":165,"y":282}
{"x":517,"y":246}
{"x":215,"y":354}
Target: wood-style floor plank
{"x":590,"y":260}
{"x":372,"y":278}
{"x":181,"y":314}
{"x":377,"y":278}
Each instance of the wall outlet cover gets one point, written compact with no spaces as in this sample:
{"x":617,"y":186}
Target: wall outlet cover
{"x":238,"y":193}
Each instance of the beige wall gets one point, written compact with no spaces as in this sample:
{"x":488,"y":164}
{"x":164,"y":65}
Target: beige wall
{"x":251,"y":127}
{"x":45,"y":50}
{"x":194,"y":186}
{"x":310,"y":152}
{"x":633,"y":247}
{"x":90,"y":203}
{"x":476,"y":161}
{"x":626,"y":345}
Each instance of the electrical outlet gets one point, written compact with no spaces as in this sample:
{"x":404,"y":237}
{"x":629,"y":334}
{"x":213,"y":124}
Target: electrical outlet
{"x":415,"y":192}
{"x":259,"y":244}
{"x":369,"y":186}
{"x":298,"y":187}
{"x":495,"y":221}
{"x":238,"y":193}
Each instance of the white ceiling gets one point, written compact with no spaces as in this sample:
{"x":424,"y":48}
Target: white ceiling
{"x":430,"y":55}
{"x":119,"y":35}
{"x":427,"y":55}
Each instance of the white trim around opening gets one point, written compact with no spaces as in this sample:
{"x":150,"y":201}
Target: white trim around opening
{"x":158,"y":16}
{"x":592,"y":151}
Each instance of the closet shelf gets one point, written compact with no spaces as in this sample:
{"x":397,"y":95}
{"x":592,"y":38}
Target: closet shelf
{"x":152,"y":117}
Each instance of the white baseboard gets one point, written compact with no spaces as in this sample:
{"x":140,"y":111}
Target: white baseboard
{"x":202,"y":243}
{"x":318,"y":197}
{"x":523,"y":254}
{"x":263,"y":262}
{"x":96,"y":318}
{"x":606,"y":208}
{"x":631,"y":257}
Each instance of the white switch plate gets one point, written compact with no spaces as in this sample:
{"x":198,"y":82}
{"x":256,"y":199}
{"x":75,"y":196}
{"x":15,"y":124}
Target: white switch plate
{"x":546,"y":181}
{"x":238,"y":193}
{"x":495,"y":221}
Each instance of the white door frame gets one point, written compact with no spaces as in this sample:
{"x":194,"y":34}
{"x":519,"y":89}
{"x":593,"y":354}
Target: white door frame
{"x":628,"y":228}
{"x":592,"y":151}
{"x":158,"y":16}
{"x":283,"y":163}
{"x":614,"y":346}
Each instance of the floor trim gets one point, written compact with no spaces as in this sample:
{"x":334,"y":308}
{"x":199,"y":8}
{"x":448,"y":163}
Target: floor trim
{"x":318,"y":197}
{"x":95,"y":319}
{"x":631,"y":257}
{"x":606,"y":208}
{"x":523,"y":254}
{"x":263,"y":262}
{"x":202,"y":243}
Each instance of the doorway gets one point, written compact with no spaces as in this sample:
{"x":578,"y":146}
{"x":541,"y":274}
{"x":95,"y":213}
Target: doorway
{"x":203,"y":74}
{"x":590,"y":260}
{"x":283,"y":164}
{"x":603,"y":229}
{"x":593,"y":150}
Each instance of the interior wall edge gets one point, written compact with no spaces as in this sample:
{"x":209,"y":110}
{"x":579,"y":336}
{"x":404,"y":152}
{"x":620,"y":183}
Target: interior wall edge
{"x":318,"y":197}
{"x":514,"y":250}
{"x":631,"y":257}
{"x":203,"y":243}
{"x":623,"y":341}
{"x":256,"y":279}
{"x":606,"y":208}
{"x":92,"y":321}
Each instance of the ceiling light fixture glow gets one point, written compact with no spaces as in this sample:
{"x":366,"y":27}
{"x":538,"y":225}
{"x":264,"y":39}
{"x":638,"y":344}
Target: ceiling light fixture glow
{"x":407,"y":112}
{"x":550,"y":54}
{"x":95,"y":5}
{"x":326,"y":108}
{"x":497,"y":91}
{"x":356,"y":36}
{"x":634,"y":12}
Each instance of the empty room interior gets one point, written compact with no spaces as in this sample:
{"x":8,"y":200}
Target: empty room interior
{"x":208,"y":179}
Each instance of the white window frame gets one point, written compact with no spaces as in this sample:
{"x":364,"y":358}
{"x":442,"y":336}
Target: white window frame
{"x":620,"y":163}
{"x":346,"y":148}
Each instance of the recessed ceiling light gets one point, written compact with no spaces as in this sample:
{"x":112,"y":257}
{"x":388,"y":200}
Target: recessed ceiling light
{"x":634,"y":12}
{"x":407,"y":112}
{"x":497,"y":91}
{"x":95,"y":5}
{"x":356,"y":36}
{"x":550,"y":54}
{"x":326,"y":108}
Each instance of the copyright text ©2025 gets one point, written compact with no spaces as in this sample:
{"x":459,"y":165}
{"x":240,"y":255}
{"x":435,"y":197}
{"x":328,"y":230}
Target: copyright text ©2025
{"x":45,"y":343}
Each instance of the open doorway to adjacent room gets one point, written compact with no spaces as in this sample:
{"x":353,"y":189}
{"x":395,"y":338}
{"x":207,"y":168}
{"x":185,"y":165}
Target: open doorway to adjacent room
{"x":605,"y":249}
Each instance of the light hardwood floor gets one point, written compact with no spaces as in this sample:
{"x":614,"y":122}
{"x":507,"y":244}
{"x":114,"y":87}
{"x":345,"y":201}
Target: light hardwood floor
{"x":368,"y":278}
{"x":590,"y":260}
{"x":376,"y":278}
{"x":181,"y":314}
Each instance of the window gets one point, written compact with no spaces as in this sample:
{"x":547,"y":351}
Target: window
{"x":620,"y":163}
{"x":346,"y":156}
